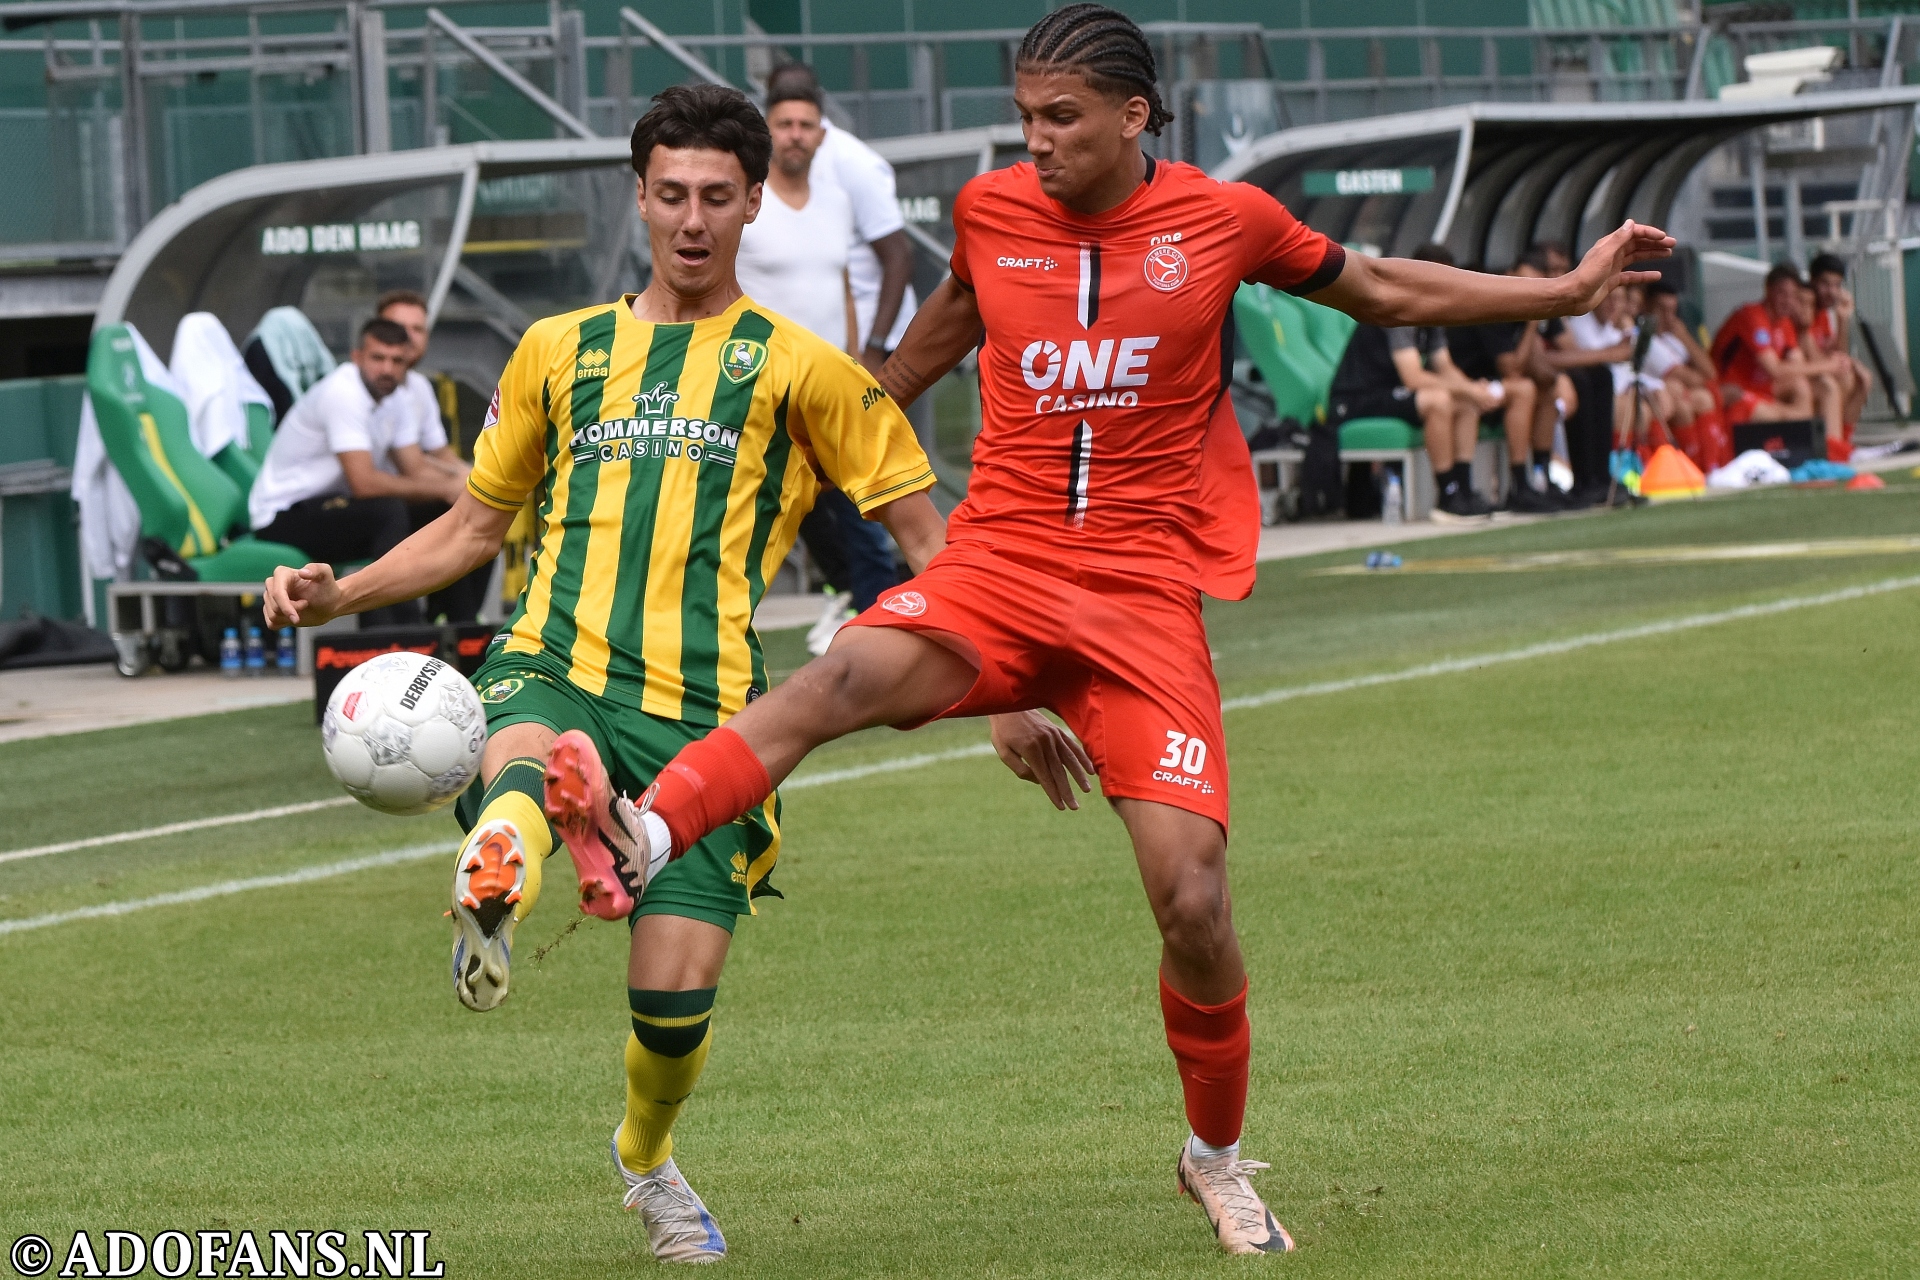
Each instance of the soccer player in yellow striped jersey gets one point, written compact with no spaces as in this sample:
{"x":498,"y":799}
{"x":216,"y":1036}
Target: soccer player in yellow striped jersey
{"x":671,"y":442}
{"x":718,"y":430}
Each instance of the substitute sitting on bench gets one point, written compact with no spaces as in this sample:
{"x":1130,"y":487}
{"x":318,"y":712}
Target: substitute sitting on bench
{"x":338,"y":478}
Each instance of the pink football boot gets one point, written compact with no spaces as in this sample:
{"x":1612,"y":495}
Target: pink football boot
{"x":601,"y":829}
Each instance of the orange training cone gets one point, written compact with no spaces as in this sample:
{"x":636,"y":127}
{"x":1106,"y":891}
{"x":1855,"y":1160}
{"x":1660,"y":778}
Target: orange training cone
{"x":1671,"y":474}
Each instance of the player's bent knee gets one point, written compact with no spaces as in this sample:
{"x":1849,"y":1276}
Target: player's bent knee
{"x":1193,"y":914}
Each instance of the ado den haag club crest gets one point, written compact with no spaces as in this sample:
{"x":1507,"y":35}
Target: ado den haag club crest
{"x":741,"y":358}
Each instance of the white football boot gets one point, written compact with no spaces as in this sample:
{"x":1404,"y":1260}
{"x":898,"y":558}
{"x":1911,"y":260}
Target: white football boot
{"x":679,"y":1228}
{"x":1241,"y":1220}
{"x":488,"y":880}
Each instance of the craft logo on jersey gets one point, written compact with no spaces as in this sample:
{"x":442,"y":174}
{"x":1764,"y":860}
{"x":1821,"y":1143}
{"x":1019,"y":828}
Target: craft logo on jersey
{"x":908,"y":604}
{"x":493,"y":411}
{"x":741,"y":358}
{"x":1166,"y":268}
{"x":593,"y":364}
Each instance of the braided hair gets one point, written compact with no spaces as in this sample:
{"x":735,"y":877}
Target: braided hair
{"x":1101,"y":44}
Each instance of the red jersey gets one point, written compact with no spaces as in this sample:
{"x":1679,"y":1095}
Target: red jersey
{"x":1107,"y":437}
{"x":1821,"y":332}
{"x":1747,"y":332}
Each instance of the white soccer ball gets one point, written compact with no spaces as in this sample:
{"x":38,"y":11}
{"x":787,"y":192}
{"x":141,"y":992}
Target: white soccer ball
{"x":403,"y":733}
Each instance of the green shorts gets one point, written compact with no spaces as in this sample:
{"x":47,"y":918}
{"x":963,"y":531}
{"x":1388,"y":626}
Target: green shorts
{"x":716,"y":880}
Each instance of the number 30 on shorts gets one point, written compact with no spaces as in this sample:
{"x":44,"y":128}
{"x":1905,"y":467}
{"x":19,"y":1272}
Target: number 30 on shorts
{"x":1187,"y":754}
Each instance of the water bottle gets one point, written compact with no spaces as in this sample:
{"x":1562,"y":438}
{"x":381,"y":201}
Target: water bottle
{"x":285,"y":656}
{"x":1391,"y":499}
{"x":1382,"y":560}
{"x":256,"y":653}
{"x":230,"y":653}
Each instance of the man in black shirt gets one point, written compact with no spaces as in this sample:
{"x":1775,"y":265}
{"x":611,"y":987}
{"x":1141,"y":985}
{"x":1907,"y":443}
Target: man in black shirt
{"x":1408,"y":374}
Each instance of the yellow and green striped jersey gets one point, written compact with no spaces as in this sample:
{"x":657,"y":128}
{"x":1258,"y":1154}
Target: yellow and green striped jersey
{"x":671,"y":465}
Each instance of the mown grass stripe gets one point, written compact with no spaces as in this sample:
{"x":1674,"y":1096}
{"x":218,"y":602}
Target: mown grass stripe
{"x":1550,"y":648}
{"x":1448,"y":666}
{"x":176,"y":828}
{"x":224,"y":888}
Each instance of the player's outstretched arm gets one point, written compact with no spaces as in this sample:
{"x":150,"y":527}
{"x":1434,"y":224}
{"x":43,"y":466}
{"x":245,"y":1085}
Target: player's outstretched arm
{"x":944,"y":329}
{"x":456,"y":544}
{"x":917,"y":525}
{"x":1400,"y":291}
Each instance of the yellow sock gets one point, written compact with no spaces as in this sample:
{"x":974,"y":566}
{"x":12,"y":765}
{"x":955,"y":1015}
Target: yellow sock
{"x":515,"y":795}
{"x":672,"y":1031}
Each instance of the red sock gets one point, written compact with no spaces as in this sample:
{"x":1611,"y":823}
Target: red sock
{"x":709,"y":784}
{"x":1212,"y":1045}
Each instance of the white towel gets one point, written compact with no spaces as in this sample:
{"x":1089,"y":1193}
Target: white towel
{"x":214,"y":383}
{"x":109,"y":518}
{"x":1752,"y":468}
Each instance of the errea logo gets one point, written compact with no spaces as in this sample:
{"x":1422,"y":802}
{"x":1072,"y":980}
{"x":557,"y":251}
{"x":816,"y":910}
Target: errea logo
{"x":1028,"y":264}
{"x":593,"y":364}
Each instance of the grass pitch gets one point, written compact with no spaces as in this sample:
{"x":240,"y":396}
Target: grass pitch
{"x":1597,"y":963}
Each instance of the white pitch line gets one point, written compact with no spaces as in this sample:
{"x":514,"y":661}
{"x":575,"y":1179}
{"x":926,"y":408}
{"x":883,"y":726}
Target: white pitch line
{"x":828,"y":777}
{"x":175,"y":828}
{"x":1549,"y":648}
{"x":200,"y":893}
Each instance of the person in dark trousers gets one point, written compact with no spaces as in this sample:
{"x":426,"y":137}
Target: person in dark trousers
{"x":1407,"y":373}
{"x":1590,"y":417}
{"x":1516,"y":356}
{"x":339,"y":475}
{"x":459,"y":601}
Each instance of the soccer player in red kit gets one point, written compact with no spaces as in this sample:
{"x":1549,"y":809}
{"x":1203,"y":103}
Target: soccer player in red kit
{"x":1111,"y":488}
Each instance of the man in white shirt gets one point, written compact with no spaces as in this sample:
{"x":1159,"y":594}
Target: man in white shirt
{"x":794,"y":259}
{"x":880,"y":264}
{"x":415,"y":398}
{"x":338,"y":478}
{"x":793,"y":255}
{"x":409,"y":310}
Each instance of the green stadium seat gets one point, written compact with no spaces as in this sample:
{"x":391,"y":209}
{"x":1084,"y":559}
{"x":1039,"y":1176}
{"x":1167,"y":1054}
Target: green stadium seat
{"x":243,"y":465}
{"x":193,"y":505}
{"x":1273,"y":329}
{"x":259,"y":431}
{"x":239,"y":466}
{"x":1378,"y":433}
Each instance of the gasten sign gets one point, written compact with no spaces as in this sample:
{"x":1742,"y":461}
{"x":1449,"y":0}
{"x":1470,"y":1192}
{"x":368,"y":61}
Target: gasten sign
{"x":1368,"y":182}
{"x":341,"y":237}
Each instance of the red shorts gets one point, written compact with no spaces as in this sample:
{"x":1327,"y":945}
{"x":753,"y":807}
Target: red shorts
{"x":1742,"y":410}
{"x":1123,"y":660}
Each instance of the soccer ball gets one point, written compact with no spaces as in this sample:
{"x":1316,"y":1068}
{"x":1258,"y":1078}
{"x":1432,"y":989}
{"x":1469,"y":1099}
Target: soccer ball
{"x":403,"y":733}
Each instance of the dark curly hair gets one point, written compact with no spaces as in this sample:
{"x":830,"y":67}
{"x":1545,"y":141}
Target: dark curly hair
{"x":709,"y":116}
{"x":1103,"y":45}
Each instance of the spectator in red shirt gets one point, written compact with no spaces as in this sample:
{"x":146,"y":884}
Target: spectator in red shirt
{"x":1762,"y":374}
{"x":1831,"y":333}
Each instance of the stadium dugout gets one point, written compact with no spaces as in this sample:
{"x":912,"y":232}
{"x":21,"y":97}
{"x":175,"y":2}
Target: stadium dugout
{"x":1487,"y":179}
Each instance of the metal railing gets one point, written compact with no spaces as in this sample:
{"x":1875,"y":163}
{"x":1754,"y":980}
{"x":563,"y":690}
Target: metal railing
{"x":146,"y":98}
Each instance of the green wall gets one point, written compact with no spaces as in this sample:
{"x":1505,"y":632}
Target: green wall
{"x":39,"y":545}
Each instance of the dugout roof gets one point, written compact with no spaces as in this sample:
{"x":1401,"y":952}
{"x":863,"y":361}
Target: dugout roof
{"x":1509,"y":174}
{"x":497,"y":233}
